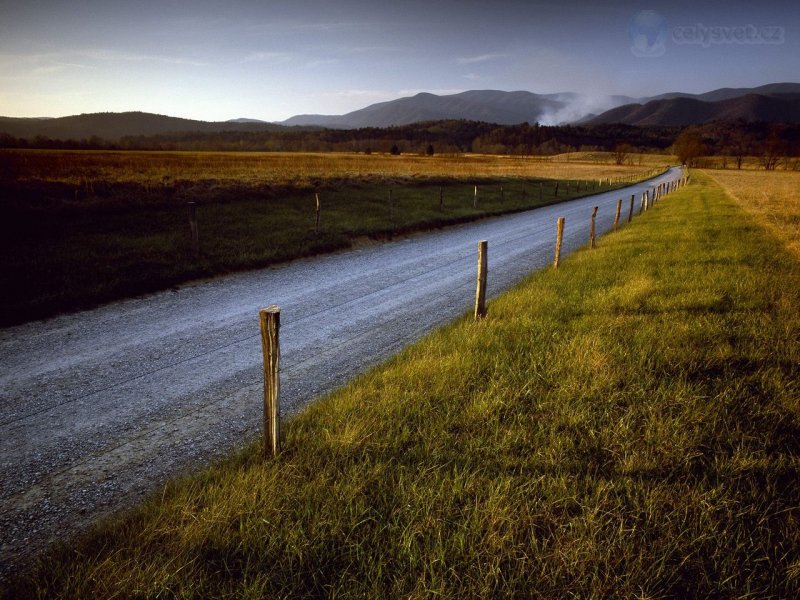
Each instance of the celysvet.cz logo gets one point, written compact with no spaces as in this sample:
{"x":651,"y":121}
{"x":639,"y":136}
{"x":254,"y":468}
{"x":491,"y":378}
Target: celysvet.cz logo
{"x":710,"y":35}
{"x":649,"y":34}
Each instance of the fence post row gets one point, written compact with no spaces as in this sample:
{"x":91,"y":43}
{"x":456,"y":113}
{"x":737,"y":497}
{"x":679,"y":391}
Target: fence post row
{"x":269,"y":317}
{"x":480,"y":291}
{"x":559,"y":238}
{"x":270,"y":320}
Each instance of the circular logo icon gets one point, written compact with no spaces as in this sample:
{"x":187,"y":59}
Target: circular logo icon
{"x":648,"y":33}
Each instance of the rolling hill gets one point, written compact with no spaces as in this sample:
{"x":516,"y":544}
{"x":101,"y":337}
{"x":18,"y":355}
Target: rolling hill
{"x":771,"y":103}
{"x":683,"y":111}
{"x":492,"y":106}
{"x":113,"y":126}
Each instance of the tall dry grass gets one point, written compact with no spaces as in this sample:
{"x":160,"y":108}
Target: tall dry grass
{"x":302,"y":169}
{"x":772,"y":196}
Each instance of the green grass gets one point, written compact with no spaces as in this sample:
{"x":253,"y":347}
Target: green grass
{"x":59,"y":254}
{"x":626,"y":427}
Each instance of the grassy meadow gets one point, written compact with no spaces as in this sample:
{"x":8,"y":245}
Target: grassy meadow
{"x":773,"y":197}
{"x":82,"y":228}
{"x":627,"y":427}
{"x":304,"y":170}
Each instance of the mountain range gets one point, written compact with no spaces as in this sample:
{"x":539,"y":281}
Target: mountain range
{"x":779,"y":102}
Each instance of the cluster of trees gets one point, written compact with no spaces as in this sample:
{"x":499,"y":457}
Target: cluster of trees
{"x":771,"y":143}
{"x":732,"y":140}
{"x":451,"y":136}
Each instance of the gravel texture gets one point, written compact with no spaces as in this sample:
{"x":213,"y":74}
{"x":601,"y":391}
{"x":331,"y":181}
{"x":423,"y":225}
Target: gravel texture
{"x":101,"y":407}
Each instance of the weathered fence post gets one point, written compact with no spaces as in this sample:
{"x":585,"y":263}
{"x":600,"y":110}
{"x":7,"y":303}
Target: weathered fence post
{"x":391,"y":209}
{"x":647,"y":200}
{"x":559,"y":238}
{"x":316,"y":221}
{"x":641,"y":204}
{"x":480,"y":291}
{"x":616,"y":217}
{"x":193,"y":229}
{"x":270,"y":320}
{"x":475,"y":198}
{"x":556,"y":192}
{"x":591,"y":228}
{"x":630,"y":213}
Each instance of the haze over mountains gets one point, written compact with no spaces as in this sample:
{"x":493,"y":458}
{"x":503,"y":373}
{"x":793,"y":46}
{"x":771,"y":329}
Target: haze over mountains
{"x":778,"y":102}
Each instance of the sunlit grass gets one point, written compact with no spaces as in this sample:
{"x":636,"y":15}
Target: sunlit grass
{"x":304,"y":170}
{"x":626,"y":427}
{"x":774,"y":197}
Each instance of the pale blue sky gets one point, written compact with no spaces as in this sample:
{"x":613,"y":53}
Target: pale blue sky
{"x":270,"y":60}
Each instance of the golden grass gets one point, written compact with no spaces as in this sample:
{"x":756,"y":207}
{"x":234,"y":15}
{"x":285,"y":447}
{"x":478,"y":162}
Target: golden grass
{"x":772,"y":196}
{"x":306,"y":169}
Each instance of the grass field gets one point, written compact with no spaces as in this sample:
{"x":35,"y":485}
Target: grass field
{"x":774,"y":198}
{"x":626,"y":427}
{"x":303,"y":170}
{"x":82,"y":228}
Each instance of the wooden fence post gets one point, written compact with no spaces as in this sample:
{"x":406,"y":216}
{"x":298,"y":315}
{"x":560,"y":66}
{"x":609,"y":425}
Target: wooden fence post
{"x":591,"y":228}
{"x":630,"y":213}
{"x":316,"y":221}
{"x":641,"y":204}
{"x":616,"y":217}
{"x":193,"y":229}
{"x":480,"y":292}
{"x":559,"y":238}
{"x":270,"y":320}
{"x":556,"y":193}
{"x":391,"y":210}
{"x":475,"y":198}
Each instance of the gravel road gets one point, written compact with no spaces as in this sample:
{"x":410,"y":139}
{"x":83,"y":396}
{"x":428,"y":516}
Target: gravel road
{"x":101,"y":407}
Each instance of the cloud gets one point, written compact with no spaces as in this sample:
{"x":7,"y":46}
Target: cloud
{"x":313,"y":64}
{"x":105,"y":55}
{"x":270,"y":57}
{"x":471,"y":60}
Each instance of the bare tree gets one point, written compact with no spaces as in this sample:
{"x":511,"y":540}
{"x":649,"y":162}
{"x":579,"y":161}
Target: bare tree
{"x":621,"y":153}
{"x":689,"y":147}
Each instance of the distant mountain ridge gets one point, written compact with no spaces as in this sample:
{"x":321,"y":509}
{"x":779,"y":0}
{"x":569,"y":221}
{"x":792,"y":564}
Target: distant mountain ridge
{"x":510,"y":108}
{"x":493,"y":106}
{"x":682,"y":111}
{"x":113,"y":126}
{"x":772,"y":103}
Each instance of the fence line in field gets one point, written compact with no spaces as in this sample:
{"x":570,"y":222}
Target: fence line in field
{"x":271,"y":359}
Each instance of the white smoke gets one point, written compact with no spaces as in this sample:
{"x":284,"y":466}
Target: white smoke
{"x":579,"y":106}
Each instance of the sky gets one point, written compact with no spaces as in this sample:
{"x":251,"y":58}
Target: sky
{"x":214,"y":61}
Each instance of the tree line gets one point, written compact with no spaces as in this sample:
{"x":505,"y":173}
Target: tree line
{"x":734,"y":139}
